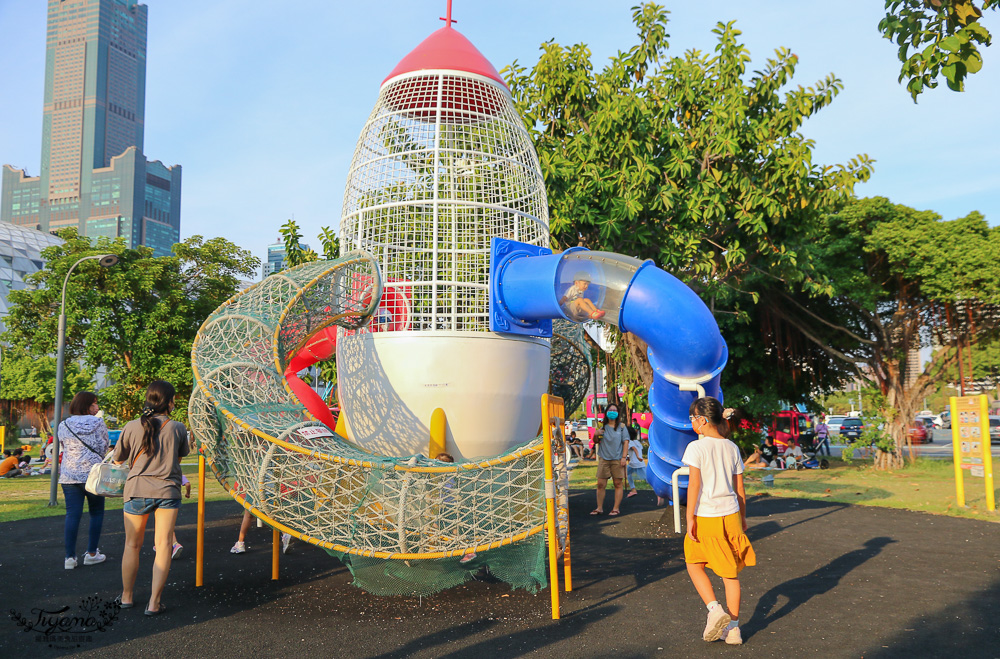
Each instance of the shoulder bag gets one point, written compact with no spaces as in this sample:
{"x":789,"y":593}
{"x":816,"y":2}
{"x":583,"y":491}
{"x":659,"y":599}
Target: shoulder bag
{"x":105,"y":478}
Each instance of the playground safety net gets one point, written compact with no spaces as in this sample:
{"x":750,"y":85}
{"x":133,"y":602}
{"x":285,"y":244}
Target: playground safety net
{"x":402,"y":525}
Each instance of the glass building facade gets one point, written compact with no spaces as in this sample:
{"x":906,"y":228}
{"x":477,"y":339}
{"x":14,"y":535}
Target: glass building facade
{"x":94,"y":175}
{"x":275,"y":261}
{"x":20,"y":256}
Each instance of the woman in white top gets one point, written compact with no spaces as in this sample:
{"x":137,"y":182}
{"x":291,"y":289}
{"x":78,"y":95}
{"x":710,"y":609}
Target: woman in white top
{"x":716,"y":517}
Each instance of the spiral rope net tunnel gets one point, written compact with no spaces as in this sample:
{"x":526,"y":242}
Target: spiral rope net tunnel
{"x":400,"y":524}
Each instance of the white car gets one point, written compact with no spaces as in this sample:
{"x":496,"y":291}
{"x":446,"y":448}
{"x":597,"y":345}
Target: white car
{"x":834,"y":423}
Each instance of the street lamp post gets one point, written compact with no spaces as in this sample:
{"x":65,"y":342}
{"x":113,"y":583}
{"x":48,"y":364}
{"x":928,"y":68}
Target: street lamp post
{"x":106,"y":260}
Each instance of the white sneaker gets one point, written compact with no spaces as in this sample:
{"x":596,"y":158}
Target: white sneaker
{"x":286,"y":541}
{"x":98,"y":557}
{"x":716,"y":625}
{"x":178,"y":548}
{"x":734,"y":637}
{"x":71,"y":563}
{"x":239,"y":548}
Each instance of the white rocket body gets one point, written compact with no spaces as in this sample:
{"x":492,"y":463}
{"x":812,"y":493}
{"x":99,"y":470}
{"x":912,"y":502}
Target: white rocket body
{"x":443,"y":165}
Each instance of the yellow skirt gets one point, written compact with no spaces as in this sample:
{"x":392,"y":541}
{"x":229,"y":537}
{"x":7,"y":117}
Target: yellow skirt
{"x":722,"y":545}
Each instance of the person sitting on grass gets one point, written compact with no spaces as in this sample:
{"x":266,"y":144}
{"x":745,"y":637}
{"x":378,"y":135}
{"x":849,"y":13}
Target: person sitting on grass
{"x":575,"y":302}
{"x":755,"y":461}
{"x":794,"y":456}
{"x":769,"y":453}
{"x":8,"y":468}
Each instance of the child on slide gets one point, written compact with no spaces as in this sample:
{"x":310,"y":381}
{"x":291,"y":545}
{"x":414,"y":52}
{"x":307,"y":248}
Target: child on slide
{"x":576,"y":304}
{"x":716,"y":518}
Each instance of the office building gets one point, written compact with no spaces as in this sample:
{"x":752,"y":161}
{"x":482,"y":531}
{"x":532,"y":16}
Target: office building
{"x":20,"y":256}
{"x":275,"y":261}
{"x":94,"y":175}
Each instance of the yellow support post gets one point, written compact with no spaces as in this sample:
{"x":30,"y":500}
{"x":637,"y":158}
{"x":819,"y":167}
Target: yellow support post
{"x":439,"y":423}
{"x":199,"y":564}
{"x":275,"y":552}
{"x":984,"y":410}
{"x":3,"y":440}
{"x":550,"y":509}
{"x":956,"y":444}
{"x":341,"y":428}
{"x":567,"y":572}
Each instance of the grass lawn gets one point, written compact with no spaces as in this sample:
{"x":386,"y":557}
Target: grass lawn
{"x":28,"y":497}
{"x":926,"y":485}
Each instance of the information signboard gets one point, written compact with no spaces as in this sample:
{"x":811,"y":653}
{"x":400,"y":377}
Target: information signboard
{"x":970,"y":431}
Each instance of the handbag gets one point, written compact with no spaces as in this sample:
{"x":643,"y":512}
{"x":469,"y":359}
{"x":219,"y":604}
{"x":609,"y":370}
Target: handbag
{"x":105,"y":479}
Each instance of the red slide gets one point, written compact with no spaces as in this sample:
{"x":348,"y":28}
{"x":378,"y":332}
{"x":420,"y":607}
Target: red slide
{"x":321,"y":346}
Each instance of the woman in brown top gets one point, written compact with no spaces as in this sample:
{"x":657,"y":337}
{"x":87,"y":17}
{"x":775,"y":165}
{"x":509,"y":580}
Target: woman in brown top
{"x":153,"y":446}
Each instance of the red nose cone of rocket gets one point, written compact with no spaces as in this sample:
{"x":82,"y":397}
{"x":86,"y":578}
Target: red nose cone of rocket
{"x":446,"y":49}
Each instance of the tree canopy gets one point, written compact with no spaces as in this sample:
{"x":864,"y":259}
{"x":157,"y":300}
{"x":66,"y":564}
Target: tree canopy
{"x":900,"y":280}
{"x":137,"y":319}
{"x":27,"y":377}
{"x":935,"y":38}
{"x":692,"y":161}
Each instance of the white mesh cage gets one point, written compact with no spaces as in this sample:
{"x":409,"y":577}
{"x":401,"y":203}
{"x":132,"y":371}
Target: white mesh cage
{"x":443,"y":164}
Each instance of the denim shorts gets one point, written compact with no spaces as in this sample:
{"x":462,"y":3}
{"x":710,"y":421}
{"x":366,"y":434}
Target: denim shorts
{"x":140,"y":506}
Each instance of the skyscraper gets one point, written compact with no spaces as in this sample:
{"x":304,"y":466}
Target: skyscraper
{"x":276,"y":258}
{"x":94,"y":175}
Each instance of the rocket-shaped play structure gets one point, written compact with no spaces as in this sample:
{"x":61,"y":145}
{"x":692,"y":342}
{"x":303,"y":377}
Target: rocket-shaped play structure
{"x":440,"y":312}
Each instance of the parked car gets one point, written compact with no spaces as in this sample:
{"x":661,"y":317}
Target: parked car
{"x":834,"y":423}
{"x":852,"y":427}
{"x":994,"y":429}
{"x":936,"y":418}
{"x":929,"y":426}
{"x":916,"y":432}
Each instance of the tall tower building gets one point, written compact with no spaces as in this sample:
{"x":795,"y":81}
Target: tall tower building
{"x":94,"y":175}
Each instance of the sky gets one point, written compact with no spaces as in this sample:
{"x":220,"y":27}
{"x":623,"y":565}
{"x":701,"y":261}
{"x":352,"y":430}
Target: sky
{"x":262,"y":101}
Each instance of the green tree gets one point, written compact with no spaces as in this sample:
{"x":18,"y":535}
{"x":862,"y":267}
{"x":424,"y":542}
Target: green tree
{"x":26,"y":377}
{"x":935,"y":38}
{"x":692,"y":161}
{"x":137,"y":319}
{"x":900,"y":280}
{"x":295,"y":253}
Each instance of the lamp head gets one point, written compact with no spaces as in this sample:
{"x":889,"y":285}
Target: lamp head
{"x":108,"y":260}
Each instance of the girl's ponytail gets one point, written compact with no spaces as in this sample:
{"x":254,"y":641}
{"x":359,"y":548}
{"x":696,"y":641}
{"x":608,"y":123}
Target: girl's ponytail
{"x":159,"y":395}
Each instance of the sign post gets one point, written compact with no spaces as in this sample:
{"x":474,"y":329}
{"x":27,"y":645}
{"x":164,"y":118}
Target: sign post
{"x":970,"y":436}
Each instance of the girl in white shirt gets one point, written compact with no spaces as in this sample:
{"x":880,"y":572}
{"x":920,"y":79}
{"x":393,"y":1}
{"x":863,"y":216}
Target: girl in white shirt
{"x":716,"y":517}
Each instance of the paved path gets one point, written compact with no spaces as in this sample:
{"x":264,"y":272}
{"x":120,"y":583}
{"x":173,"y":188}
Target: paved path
{"x":833,"y":581}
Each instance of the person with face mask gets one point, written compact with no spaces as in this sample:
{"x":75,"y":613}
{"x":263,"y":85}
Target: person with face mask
{"x":612,"y":456}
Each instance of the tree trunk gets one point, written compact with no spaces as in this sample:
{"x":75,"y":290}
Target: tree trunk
{"x":636,"y":349}
{"x":888,"y":460}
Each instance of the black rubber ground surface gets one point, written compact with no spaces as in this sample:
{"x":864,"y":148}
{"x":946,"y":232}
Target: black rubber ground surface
{"x":832,"y":581}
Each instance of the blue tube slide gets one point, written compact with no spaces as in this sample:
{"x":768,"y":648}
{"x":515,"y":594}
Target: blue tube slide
{"x":686,"y":349}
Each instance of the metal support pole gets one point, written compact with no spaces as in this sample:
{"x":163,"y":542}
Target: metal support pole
{"x":275,"y":553}
{"x":106,"y":260}
{"x":550,"y":509}
{"x":60,"y":355}
{"x":199,"y":568}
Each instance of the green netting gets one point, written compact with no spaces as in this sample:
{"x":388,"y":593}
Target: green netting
{"x":522,"y":565}
{"x":401,"y":524}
